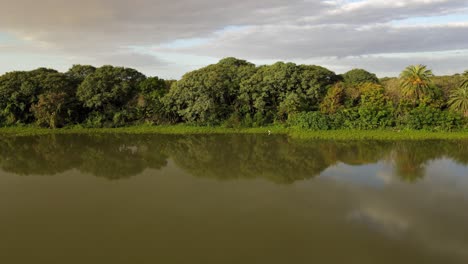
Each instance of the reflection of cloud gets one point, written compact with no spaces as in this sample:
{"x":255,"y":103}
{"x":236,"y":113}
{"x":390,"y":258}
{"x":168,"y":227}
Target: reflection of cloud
{"x":387,"y":175}
{"x":384,"y":222}
{"x":450,"y":177}
{"x":364,"y":175}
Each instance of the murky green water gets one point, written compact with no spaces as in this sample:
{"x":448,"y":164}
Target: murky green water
{"x":231,"y":199}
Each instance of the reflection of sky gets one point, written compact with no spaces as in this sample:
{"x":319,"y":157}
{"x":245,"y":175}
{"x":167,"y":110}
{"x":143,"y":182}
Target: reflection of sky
{"x":429,"y":212}
{"x":360,"y":175}
{"x":441,"y":172}
{"x":383,"y":221}
{"x":448,"y":176}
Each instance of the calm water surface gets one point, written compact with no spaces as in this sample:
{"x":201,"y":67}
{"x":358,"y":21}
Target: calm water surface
{"x":231,"y":199}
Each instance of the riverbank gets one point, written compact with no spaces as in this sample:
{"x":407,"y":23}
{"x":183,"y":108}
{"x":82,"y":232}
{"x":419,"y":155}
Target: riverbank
{"x":294,"y":133}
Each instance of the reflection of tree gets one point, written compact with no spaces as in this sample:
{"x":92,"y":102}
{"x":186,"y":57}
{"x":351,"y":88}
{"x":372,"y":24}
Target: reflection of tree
{"x":459,"y":152}
{"x":411,"y":157}
{"x":408,"y":166}
{"x":108,"y":156}
{"x":243,"y":156}
{"x":45,"y":155}
{"x":118,"y":157}
{"x":276,"y":158}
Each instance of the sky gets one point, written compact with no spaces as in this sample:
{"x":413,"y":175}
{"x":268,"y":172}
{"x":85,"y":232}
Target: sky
{"x":168,"y":38}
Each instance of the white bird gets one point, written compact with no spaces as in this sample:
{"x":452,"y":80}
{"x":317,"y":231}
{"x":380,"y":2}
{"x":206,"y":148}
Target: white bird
{"x":269,"y":132}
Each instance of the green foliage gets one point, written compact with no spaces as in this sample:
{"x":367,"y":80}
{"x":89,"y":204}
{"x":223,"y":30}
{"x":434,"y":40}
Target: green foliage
{"x":109,"y":90}
{"x":429,"y":118}
{"x":464,"y":81}
{"x":375,"y":109}
{"x":234,"y":121}
{"x":310,"y":121}
{"x":17,"y":94}
{"x":149,"y":105}
{"x":235,"y":94}
{"x":334,"y":99}
{"x":459,"y":97}
{"x":20,"y":91}
{"x":80,"y":72}
{"x":359,"y":76}
{"x":50,"y":110}
{"x":285,"y":88}
{"x":208,"y":95}
{"x":415,"y":82}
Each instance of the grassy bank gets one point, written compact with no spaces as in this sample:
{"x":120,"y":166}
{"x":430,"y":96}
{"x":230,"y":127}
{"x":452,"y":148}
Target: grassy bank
{"x":295,"y":133}
{"x":173,"y":130}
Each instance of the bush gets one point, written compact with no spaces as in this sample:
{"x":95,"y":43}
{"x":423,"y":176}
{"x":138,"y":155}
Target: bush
{"x":310,"y":120}
{"x":234,"y":121}
{"x":94,"y":120}
{"x":247,"y":121}
{"x":429,"y":118}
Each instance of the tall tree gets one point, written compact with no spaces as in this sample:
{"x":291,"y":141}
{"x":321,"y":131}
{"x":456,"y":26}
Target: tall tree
{"x":57,"y":104}
{"x":80,"y":72}
{"x":148,"y":102}
{"x":464,"y":82}
{"x":285,"y":88}
{"x":21,"y":91}
{"x":106,"y":93}
{"x":208,"y":95}
{"x":358,"y":76}
{"x":416,"y":82}
{"x":17,"y":94}
{"x":458,"y":100}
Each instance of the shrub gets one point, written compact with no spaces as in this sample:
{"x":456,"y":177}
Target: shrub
{"x":429,"y":118}
{"x":310,"y":120}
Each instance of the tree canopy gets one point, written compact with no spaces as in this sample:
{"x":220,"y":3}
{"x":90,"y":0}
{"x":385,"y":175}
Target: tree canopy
{"x":359,"y":76}
{"x":208,"y":95}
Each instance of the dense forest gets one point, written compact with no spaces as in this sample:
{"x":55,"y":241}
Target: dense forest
{"x":236,"y":93}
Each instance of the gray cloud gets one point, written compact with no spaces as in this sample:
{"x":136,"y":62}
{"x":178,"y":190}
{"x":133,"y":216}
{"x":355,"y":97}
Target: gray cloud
{"x":292,"y":42}
{"x":382,"y":11}
{"x":104,"y":31}
{"x":99,"y":23}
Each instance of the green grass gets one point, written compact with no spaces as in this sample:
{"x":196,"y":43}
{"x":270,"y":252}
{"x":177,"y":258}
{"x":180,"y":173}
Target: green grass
{"x":175,"y":130}
{"x":294,"y":133}
{"x":378,"y":135}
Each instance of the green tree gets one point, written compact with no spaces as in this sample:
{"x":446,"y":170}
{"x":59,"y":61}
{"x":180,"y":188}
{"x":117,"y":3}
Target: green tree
{"x":209,"y":95}
{"x":21,"y":91}
{"x":416,"y":82}
{"x":80,"y":72}
{"x":358,"y":76}
{"x":107,"y":92}
{"x":282,"y":87}
{"x":57,"y":104}
{"x":334,"y":99}
{"x":148,"y":102}
{"x":375,"y":108}
{"x":458,"y":100}
{"x":464,"y":82}
{"x":17,"y":94}
{"x":50,"y":110}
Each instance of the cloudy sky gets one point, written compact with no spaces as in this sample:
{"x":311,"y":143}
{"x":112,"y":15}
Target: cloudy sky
{"x":170,"y":37}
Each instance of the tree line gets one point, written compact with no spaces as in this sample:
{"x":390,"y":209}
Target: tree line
{"x":235,"y":93}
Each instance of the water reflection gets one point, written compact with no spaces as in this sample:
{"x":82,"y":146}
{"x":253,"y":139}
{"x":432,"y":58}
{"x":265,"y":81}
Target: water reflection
{"x":359,"y":208}
{"x":278,"y":159}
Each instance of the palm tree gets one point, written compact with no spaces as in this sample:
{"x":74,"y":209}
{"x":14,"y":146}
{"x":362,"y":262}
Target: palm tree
{"x":459,"y":97}
{"x":416,"y":82}
{"x":464,"y":82}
